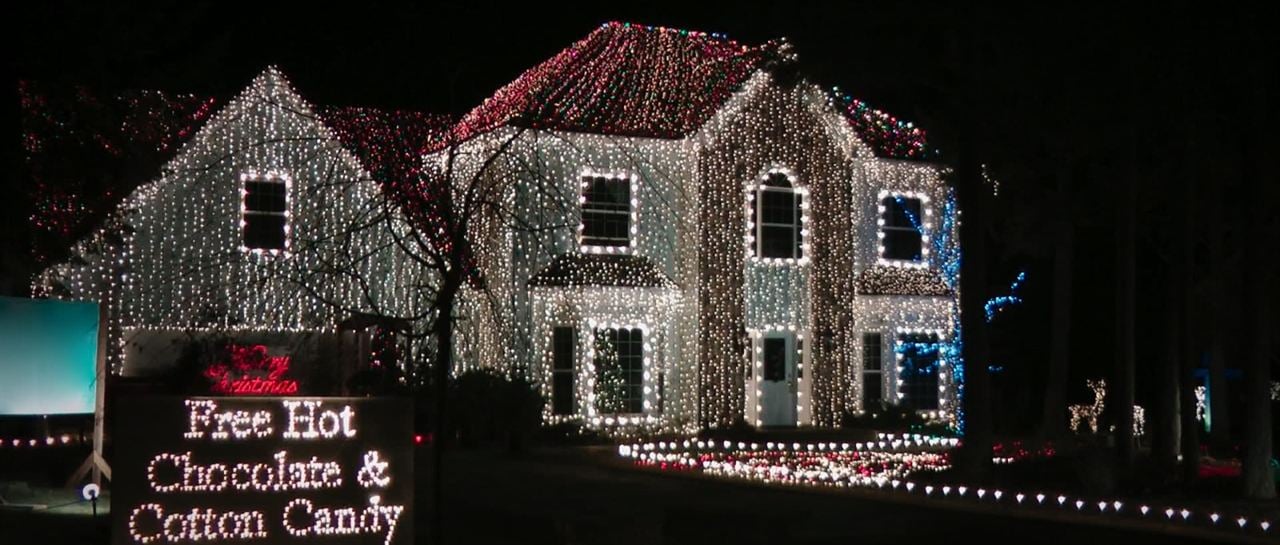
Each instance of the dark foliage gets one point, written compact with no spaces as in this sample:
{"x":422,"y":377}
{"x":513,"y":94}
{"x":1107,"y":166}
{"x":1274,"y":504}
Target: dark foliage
{"x":487,"y":408}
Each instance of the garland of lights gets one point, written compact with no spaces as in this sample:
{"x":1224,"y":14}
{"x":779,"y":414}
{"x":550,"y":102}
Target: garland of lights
{"x":1000,"y":302}
{"x":890,"y":465}
{"x":46,"y":441}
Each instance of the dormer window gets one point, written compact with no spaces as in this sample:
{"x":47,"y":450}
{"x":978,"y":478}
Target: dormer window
{"x":902,"y":228}
{"x":776,"y":229}
{"x":264,"y":218}
{"x":608,"y":218}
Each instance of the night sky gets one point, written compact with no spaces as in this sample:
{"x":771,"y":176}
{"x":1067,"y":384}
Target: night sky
{"x":1094,"y":92}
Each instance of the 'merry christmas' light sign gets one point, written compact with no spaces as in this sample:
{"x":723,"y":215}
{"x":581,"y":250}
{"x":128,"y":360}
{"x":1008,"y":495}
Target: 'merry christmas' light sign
{"x":271,"y":470}
{"x":251,"y":371}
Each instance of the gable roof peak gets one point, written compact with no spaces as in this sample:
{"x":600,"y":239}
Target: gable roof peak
{"x":630,"y":26}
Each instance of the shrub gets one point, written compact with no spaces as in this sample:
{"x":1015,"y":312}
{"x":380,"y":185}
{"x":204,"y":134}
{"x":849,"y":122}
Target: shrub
{"x":887,"y":418}
{"x":486,"y":407}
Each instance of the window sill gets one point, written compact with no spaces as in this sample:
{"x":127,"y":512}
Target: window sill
{"x":606,"y":249}
{"x":263,"y":253}
{"x":905,"y":263}
{"x":779,"y":261}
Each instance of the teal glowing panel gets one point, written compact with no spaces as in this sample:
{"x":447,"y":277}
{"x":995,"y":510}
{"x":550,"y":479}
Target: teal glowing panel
{"x":47,"y":354}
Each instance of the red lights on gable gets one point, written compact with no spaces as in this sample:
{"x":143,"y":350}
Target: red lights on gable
{"x":251,"y":371}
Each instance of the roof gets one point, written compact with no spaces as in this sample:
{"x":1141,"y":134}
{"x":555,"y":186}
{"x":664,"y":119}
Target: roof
{"x":887,"y":135}
{"x":120,"y":141}
{"x":627,"y":79}
{"x":623,"y":79}
{"x":616,"y":270}
{"x":389,"y":143}
{"x":881,"y":280}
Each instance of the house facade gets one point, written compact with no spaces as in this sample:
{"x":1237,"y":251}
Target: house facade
{"x":708,"y":240}
{"x":681,"y":231}
{"x":262,"y":239}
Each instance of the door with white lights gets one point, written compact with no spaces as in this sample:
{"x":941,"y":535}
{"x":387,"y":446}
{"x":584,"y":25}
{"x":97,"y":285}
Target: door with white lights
{"x":779,"y":380}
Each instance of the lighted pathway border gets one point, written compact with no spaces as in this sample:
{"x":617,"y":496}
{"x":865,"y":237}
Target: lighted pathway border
{"x":741,"y":460}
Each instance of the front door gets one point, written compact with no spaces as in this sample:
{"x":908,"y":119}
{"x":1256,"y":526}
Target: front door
{"x":778,"y":385}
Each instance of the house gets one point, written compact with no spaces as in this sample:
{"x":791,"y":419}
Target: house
{"x":698,"y":235}
{"x":685,"y":231}
{"x":247,"y":240}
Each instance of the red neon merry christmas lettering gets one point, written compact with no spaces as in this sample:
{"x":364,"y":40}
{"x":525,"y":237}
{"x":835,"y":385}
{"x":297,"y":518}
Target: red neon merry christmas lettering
{"x":251,"y":372}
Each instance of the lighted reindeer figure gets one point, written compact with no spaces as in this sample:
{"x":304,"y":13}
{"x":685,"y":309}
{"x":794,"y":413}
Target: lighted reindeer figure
{"x":1081,"y":414}
{"x":1090,"y":413}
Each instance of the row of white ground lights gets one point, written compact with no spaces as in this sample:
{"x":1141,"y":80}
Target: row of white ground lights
{"x":892,"y":442}
{"x":49,"y":441}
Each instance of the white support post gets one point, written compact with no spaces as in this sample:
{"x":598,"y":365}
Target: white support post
{"x":95,"y":463}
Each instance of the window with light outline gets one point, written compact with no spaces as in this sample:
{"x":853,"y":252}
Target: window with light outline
{"x":619,"y":365}
{"x":608,"y":205}
{"x":264,"y":212}
{"x":777,"y":221}
{"x":903,"y":222}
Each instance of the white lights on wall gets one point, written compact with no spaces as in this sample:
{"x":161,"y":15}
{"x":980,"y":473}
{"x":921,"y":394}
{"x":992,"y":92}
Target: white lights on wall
{"x":173,"y":257}
{"x":694,"y":219}
{"x":691,"y":214}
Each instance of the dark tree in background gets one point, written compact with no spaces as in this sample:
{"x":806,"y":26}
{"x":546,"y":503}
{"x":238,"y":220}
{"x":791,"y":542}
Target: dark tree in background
{"x":1260,"y":279}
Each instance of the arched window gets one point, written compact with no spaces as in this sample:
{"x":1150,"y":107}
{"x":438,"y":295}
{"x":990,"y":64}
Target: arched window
{"x":778,"y":219}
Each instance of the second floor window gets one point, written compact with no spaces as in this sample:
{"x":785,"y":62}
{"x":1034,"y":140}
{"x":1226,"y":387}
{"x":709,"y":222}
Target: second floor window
{"x":902,"y":229}
{"x":264,"y":214}
{"x":778,"y":224}
{"x":606,"y":211}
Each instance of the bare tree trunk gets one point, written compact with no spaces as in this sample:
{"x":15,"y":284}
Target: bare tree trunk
{"x":1126,"y":247}
{"x":1259,"y":483}
{"x":1219,"y":406}
{"x":1164,"y":412}
{"x":1190,"y":438}
{"x":976,"y":454}
{"x":1054,"y":418}
{"x":1258,"y":478}
{"x":440,"y":370}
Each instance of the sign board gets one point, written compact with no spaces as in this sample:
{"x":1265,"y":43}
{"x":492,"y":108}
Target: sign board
{"x":262,"y":470}
{"x":48,"y":350}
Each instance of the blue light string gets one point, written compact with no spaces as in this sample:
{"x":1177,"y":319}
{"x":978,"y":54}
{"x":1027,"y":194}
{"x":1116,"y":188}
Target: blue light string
{"x":946,"y":257}
{"x":911,"y":217}
{"x":1001,"y":302}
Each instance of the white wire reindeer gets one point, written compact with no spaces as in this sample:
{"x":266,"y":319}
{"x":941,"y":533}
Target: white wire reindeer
{"x":1089,"y":414}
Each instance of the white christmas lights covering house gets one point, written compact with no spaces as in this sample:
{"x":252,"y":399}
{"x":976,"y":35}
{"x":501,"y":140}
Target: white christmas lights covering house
{"x":700,"y":235}
{"x":692,"y":233}
{"x":252,"y":233}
